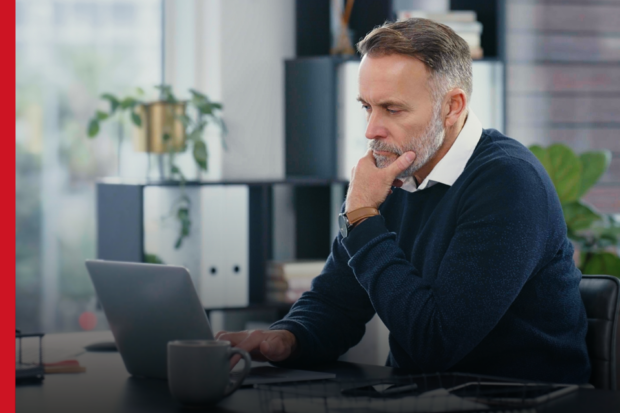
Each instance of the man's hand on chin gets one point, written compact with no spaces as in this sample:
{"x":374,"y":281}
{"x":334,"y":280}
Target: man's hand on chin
{"x":371,"y":185}
{"x":263,"y":345}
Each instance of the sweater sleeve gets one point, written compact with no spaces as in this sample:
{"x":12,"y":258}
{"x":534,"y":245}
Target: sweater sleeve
{"x":332,"y":316}
{"x":499,"y":240}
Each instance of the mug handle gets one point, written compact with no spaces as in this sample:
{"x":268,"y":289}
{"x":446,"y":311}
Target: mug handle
{"x":234,"y":385}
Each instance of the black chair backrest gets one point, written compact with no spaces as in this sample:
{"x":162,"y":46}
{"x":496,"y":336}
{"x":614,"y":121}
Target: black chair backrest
{"x":601,"y":297}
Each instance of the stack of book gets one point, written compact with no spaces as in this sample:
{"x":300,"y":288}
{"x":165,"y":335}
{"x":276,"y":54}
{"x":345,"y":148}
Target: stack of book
{"x":288,"y":280}
{"x":463,"y":23}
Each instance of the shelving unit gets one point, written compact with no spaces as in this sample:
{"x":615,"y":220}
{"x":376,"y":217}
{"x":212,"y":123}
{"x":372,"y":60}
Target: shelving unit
{"x":121,"y":217}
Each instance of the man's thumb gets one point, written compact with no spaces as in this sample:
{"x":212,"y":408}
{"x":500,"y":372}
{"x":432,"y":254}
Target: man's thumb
{"x":403,"y":162}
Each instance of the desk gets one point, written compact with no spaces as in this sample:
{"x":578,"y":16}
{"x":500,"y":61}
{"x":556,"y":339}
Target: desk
{"x":107,"y":387}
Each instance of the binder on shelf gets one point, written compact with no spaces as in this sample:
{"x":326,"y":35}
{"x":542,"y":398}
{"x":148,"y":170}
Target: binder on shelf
{"x":224,"y":274}
{"x":235,"y":245}
{"x":212,"y":228}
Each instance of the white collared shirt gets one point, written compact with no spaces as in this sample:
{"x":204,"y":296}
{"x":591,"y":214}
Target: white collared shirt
{"x":450,"y":167}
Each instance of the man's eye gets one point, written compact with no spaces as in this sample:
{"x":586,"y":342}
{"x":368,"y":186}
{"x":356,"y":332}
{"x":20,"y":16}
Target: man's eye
{"x":366,"y":107}
{"x":392,"y":111}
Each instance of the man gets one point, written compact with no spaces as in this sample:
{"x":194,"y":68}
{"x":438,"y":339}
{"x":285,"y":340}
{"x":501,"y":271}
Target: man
{"x":466,"y":260}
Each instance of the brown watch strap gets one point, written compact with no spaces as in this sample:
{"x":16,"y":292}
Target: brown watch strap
{"x":361,"y":213}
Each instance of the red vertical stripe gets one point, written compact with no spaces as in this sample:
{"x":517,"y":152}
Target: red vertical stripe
{"x":7,"y":205}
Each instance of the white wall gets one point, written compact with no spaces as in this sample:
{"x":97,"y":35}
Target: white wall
{"x":234,"y":50}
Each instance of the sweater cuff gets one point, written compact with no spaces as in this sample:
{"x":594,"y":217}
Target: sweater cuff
{"x":362,"y":233}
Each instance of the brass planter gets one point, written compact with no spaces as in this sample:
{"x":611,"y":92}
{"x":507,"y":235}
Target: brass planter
{"x":158,"y":119}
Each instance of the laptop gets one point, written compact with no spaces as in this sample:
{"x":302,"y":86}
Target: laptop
{"x":148,"y":305}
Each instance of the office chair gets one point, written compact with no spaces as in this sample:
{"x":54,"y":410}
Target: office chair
{"x":601,"y":297}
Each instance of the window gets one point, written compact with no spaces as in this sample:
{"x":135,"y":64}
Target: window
{"x":67,"y":54}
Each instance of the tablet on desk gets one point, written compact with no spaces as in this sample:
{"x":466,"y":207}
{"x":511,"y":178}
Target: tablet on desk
{"x":522,"y":394}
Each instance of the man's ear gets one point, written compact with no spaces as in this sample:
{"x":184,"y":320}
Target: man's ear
{"x":455,"y":102}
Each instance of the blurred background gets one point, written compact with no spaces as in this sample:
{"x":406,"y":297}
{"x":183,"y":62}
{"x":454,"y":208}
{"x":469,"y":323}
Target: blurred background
{"x":546,"y":72}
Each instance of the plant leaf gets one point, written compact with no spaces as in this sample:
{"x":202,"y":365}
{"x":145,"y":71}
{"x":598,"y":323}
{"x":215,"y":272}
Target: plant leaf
{"x":101,"y":115}
{"x":136,"y":119}
{"x":604,"y":263}
{"x":113,"y":102}
{"x":541,"y":154}
{"x":200,"y":154}
{"x":152,"y":259}
{"x":93,"y":128}
{"x":579,"y":216}
{"x":128,"y":102}
{"x":565,"y":172}
{"x":594,"y":164}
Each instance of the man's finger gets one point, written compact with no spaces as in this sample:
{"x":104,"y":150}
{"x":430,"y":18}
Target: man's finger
{"x":275,"y":349}
{"x":251,"y":343}
{"x":397,"y":183}
{"x":234,"y":338}
{"x":403,"y":162}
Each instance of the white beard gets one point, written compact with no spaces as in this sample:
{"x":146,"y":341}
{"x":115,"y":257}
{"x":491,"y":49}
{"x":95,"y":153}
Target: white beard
{"x":425,"y":147}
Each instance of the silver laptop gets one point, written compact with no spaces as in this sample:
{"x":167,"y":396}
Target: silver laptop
{"x":148,"y":305}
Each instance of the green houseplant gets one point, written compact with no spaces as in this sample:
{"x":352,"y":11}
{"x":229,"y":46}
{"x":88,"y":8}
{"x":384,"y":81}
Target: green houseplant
{"x":596,"y":235}
{"x":166,"y":126}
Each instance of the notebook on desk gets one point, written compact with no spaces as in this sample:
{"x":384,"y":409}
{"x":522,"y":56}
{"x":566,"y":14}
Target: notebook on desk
{"x":148,"y":305}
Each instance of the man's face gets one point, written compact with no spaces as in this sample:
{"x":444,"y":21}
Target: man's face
{"x":400,"y":110}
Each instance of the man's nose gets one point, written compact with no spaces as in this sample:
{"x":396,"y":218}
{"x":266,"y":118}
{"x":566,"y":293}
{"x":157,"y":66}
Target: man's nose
{"x":375,"y":129}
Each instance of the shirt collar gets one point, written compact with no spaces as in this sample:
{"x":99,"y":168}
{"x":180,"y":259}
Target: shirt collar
{"x":450,"y":167}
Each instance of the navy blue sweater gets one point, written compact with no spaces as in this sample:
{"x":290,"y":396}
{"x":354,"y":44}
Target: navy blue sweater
{"x":477,"y":277}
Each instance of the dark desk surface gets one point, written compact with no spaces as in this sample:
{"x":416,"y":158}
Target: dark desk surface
{"x":107,"y":387}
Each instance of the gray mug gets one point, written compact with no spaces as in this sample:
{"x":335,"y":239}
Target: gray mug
{"x":199,"y":371}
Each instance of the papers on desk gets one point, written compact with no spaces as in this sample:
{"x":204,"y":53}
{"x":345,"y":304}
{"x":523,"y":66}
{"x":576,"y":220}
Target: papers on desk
{"x":439,"y":400}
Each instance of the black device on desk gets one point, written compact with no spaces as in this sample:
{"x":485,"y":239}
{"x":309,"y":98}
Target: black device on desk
{"x":148,"y":305}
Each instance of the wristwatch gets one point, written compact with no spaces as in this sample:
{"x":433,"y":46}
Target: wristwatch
{"x":347,"y":220}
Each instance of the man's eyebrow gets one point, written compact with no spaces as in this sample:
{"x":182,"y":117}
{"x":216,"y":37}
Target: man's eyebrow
{"x":385,"y":103}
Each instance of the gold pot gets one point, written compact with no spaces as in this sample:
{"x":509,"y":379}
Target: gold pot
{"x":158,"y":119}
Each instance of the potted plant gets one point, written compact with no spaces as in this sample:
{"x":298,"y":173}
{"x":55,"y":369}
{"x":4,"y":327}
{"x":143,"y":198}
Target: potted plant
{"x":166,"y":126}
{"x":595,"y":235}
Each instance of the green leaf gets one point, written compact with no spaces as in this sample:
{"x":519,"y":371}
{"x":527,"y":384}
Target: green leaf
{"x":166,"y":93}
{"x":195,"y":134}
{"x":184,"y":119}
{"x":200,"y":154}
{"x":541,"y":154}
{"x":197,"y":94}
{"x":565,"y":172}
{"x":604,"y":263}
{"x":594,"y":165}
{"x":93,"y":128}
{"x":113,"y":102}
{"x":165,"y":137}
{"x":139,"y":91}
{"x":152,"y":259}
{"x":135,"y":118}
{"x":101,"y":115}
{"x":128,"y":102}
{"x":579,"y":216}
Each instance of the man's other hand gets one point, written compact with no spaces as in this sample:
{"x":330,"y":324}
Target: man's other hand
{"x":370,"y":185}
{"x":263,"y":345}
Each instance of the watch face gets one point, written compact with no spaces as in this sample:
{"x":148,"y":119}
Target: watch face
{"x":344,"y":225}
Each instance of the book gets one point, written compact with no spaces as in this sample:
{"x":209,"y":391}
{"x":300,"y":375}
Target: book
{"x":451,"y":16}
{"x":288,"y":280}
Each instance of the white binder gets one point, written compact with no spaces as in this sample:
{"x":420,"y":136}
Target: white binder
{"x":235,"y":245}
{"x":212,"y":274}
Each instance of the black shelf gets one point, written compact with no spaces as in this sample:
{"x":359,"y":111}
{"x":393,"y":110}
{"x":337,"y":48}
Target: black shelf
{"x":120,"y":222}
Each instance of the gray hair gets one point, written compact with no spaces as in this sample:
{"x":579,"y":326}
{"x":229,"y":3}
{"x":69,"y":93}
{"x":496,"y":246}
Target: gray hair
{"x":444,"y":53}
